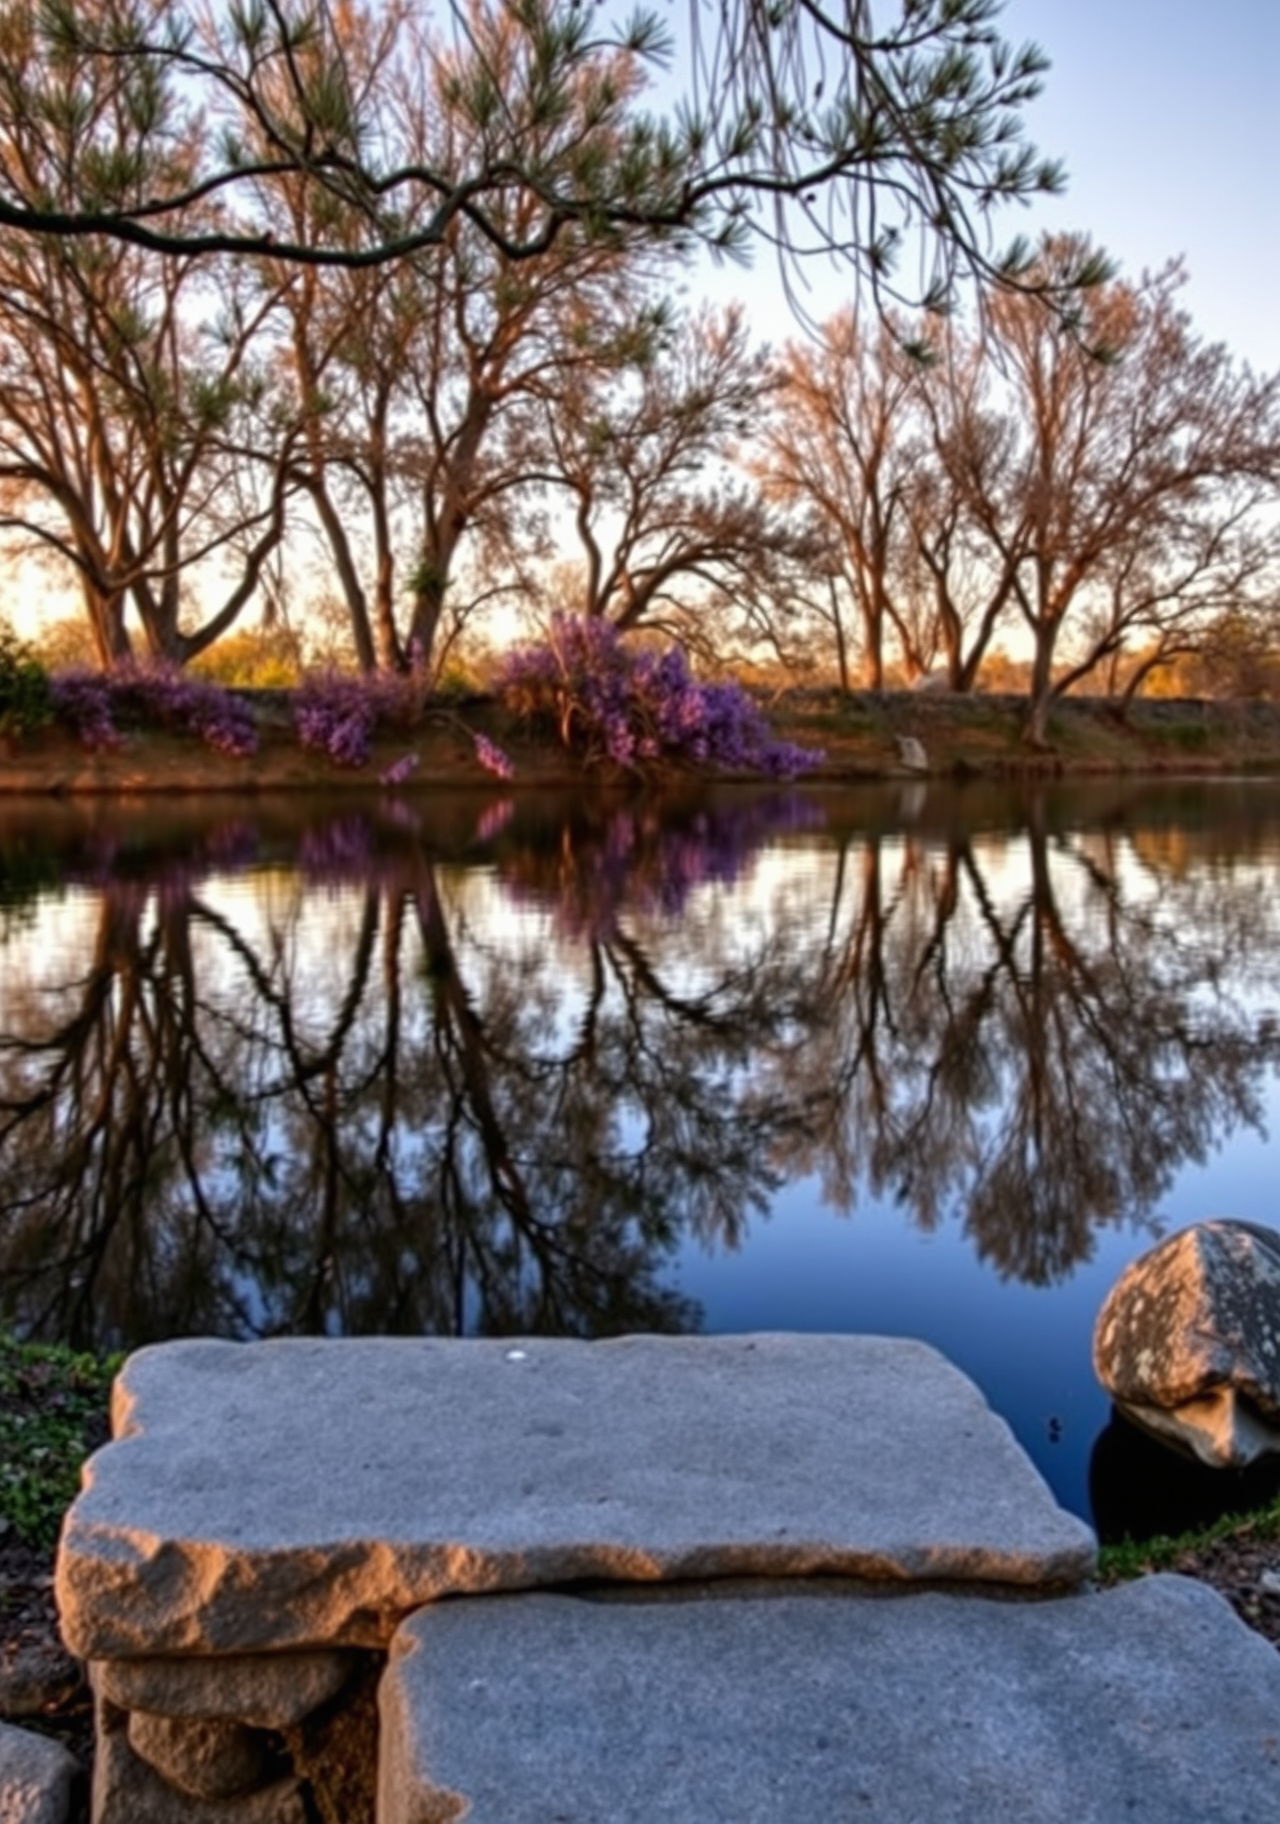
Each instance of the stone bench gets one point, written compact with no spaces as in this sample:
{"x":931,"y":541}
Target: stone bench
{"x":268,"y":1515}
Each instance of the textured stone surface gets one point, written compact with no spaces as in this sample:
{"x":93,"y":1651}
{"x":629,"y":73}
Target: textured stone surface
{"x":1188,"y":1340}
{"x":207,"y":1758}
{"x":1149,"y":1704}
{"x":36,"y":1778}
{"x":127,"y":1791}
{"x":298,"y":1492}
{"x":36,"y":1677}
{"x":268,"y":1691}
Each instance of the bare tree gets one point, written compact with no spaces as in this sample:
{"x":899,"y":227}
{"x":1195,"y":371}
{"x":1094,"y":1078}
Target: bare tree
{"x":839,"y":444}
{"x":419,"y":382}
{"x":969,"y":592}
{"x":640,"y":445}
{"x":135,"y":437}
{"x":1129,"y":479}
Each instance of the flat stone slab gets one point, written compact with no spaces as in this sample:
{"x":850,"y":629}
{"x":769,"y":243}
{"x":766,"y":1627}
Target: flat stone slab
{"x":1150,"y":1704}
{"x":301,"y":1493}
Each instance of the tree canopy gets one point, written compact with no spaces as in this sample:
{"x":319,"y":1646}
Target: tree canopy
{"x":884,"y":132}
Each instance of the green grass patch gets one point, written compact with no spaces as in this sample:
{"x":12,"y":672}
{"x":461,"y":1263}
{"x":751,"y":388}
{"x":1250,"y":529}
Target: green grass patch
{"x":1136,"y":1557}
{"x":53,"y":1412}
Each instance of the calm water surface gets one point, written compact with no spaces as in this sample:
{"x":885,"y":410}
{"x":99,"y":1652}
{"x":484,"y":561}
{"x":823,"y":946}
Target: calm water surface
{"x":932,"y":1063}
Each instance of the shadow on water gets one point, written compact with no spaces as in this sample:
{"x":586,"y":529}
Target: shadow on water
{"x":1139,"y":1487}
{"x":486,"y":1064}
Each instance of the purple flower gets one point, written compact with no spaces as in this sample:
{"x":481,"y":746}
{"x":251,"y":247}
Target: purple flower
{"x":492,"y":758}
{"x":398,"y":771}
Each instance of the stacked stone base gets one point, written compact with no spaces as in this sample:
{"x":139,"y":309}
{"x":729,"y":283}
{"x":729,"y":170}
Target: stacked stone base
{"x":271,"y":1521}
{"x":215,"y":1741}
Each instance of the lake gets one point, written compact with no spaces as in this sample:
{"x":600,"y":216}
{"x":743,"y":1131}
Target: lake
{"x":934,"y":1061}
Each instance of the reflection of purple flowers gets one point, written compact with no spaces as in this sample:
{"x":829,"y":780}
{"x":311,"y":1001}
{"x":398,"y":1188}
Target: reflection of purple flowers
{"x":129,"y":876}
{"x":645,"y":861}
{"x":342,"y":849}
{"x":93,"y":704}
{"x":609,"y":703}
{"x":496,"y":818}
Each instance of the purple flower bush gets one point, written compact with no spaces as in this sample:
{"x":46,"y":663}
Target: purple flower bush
{"x":637,"y":709}
{"x":82,"y":701}
{"x":94,"y":704}
{"x":339,"y":713}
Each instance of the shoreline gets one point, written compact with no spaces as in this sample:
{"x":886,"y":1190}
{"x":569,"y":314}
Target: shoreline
{"x":861,"y":737}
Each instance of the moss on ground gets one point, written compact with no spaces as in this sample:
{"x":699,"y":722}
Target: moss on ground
{"x":53,"y":1412}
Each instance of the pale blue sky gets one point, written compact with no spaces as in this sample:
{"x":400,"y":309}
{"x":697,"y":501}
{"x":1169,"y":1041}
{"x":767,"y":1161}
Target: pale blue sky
{"x":1166,"y":114}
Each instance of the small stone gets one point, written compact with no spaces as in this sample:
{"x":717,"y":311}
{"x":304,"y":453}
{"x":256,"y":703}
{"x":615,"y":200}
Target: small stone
{"x":912,"y":755}
{"x":1188,"y":1341}
{"x":127,"y":1791}
{"x":37,"y":1777}
{"x":39,"y":1676}
{"x":209,"y":1760}
{"x":265,"y":1690}
{"x":1270,"y":1582}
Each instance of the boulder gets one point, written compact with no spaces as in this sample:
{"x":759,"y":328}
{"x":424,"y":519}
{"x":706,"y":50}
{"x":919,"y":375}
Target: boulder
{"x":1188,"y":1341}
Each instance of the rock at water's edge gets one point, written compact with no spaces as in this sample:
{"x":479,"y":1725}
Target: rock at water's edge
{"x":1188,"y":1341}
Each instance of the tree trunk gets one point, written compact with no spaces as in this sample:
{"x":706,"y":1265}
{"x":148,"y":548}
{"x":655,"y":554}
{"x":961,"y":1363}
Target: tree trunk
{"x":1035,"y":732}
{"x":105,"y":609}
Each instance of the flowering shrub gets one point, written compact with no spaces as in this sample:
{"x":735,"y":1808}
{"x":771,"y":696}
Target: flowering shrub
{"x":635,"y":709}
{"x":93,"y":704}
{"x":338,"y":714}
{"x":82,"y":700}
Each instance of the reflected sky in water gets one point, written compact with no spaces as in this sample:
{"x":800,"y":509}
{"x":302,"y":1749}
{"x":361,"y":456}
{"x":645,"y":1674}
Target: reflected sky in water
{"x":930,"y":1063}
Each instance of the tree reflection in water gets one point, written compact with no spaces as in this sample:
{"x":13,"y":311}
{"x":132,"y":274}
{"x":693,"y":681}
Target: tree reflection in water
{"x":403,"y":1071}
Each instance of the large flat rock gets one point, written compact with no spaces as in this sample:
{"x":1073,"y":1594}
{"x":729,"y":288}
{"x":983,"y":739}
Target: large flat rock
{"x":298,"y":1493}
{"x":1150,"y":1704}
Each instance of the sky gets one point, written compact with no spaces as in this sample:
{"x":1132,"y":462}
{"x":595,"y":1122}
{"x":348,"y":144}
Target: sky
{"x":1166,"y":114}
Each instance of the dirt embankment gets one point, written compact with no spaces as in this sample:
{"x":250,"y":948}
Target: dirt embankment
{"x":868,"y":735}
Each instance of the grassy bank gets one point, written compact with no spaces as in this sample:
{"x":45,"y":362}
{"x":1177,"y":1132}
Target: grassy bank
{"x":860,"y":737}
